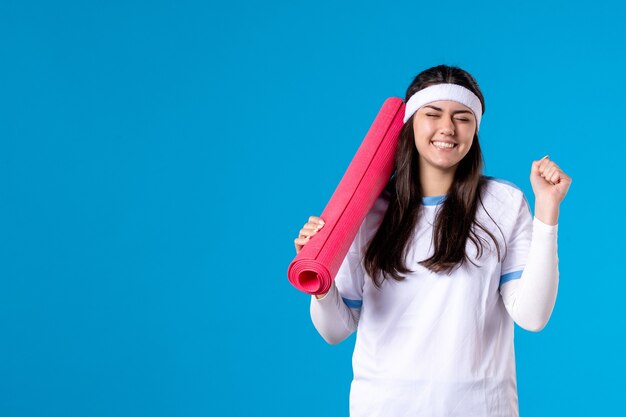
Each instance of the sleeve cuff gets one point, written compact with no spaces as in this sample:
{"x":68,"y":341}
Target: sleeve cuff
{"x":326,"y":296}
{"x":541,"y":227}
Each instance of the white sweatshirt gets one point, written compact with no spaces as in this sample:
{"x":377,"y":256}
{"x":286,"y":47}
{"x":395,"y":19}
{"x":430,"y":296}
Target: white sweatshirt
{"x":437,"y":344}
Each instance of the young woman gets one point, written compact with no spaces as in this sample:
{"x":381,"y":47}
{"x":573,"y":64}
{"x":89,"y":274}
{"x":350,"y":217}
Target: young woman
{"x":443,"y":264}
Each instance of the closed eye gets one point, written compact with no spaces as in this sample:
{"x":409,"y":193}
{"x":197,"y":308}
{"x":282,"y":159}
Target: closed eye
{"x":436,"y":115}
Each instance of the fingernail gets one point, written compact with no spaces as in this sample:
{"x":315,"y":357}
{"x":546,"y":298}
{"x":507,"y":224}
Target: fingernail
{"x":322,"y":222}
{"x":545,"y":157}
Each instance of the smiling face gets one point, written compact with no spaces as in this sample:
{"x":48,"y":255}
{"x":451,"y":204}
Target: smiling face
{"x":444,"y":132}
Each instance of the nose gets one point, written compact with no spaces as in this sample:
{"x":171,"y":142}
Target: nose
{"x":447,"y":126}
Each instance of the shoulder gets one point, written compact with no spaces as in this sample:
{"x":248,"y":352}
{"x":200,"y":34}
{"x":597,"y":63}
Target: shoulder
{"x":505,"y":203}
{"x":503,"y":192}
{"x":376,"y":214}
{"x":373,"y":219}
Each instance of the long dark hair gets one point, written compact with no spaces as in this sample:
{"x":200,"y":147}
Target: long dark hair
{"x":454,"y":224}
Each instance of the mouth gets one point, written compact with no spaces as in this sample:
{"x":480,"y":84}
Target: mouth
{"x":443,"y":145}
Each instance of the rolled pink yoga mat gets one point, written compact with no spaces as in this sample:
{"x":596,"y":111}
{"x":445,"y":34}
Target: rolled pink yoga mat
{"x":315,"y":267}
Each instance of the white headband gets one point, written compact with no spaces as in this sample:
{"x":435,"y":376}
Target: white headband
{"x":438,"y":92}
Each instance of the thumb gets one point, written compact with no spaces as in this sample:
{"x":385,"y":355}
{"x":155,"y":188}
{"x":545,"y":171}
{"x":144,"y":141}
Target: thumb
{"x":537,"y":164}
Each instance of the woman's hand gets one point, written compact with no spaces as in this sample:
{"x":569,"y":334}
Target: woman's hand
{"x":307,"y":232}
{"x":550,"y":184}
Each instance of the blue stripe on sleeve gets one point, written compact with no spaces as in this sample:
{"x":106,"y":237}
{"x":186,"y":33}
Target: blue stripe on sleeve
{"x":352,"y":303}
{"x":510,"y":276}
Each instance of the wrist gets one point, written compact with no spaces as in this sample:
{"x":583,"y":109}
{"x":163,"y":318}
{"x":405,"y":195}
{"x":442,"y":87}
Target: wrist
{"x":541,"y":227}
{"x":547,"y":212}
{"x":325,"y":295}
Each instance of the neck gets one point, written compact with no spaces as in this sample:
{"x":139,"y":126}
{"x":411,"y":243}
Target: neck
{"x":435,"y":182}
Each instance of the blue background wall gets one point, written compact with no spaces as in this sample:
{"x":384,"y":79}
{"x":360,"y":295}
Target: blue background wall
{"x":157,"y":159}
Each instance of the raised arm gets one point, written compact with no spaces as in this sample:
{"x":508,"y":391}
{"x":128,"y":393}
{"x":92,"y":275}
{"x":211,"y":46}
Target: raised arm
{"x":530,"y":299}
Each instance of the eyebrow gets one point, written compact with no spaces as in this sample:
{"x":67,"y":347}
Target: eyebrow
{"x":454,"y":112}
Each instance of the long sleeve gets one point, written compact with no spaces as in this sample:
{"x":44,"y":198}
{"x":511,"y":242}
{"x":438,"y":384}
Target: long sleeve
{"x":332,"y":318}
{"x":531,"y":298}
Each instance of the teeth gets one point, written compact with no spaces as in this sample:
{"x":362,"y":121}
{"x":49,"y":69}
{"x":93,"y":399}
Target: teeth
{"x":443,"y":145}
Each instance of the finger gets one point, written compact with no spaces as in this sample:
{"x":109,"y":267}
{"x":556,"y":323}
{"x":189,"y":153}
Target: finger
{"x":544,"y":163}
{"x":555,"y":177}
{"x":537,"y":164}
{"x":298,"y":246}
{"x":301,"y":241}
{"x":313,"y":226}
{"x":309,"y":230}
{"x":550,"y":169}
{"x":565,"y":178}
{"x":315,"y":220}
{"x":309,"y":226}
{"x":558,"y":169}
{"x":547,"y":173}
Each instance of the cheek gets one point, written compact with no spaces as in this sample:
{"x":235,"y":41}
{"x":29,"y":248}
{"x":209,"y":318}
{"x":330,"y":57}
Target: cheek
{"x":422,"y":141}
{"x":423,"y":126}
{"x":467,"y":146}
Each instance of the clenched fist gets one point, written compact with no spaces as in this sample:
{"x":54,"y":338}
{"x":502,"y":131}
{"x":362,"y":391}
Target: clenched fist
{"x":549,"y":182}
